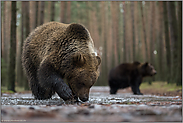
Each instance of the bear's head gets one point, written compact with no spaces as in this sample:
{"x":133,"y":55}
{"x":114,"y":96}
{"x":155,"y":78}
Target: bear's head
{"x":84,"y":74}
{"x":147,"y":69}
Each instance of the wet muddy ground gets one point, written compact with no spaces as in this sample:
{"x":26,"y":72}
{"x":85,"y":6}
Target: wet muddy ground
{"x":101,"y":107}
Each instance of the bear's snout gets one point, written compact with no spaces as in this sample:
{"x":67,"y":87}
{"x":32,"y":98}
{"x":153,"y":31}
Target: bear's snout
{"x":154,"y":72}
{"x":84,"y":99}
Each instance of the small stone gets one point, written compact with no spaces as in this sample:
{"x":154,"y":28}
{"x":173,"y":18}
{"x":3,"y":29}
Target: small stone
{"x":32,"y":108}
{"x":83,"y":111}
{"x":91,"y":106}
{"x":59,"y":104}
{"x":3,"y":112}
{"x":48,"y":105}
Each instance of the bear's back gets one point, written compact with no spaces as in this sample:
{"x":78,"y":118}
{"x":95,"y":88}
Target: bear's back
{"x":43,"y":33}
{"x":57,"y":34}
{"x":124,"y":69}
{"x":38,"y":42}
{"x":57,"y":40}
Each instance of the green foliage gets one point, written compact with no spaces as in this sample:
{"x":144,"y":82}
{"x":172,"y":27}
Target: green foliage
{"x":57,"y":7}
{"x":18,"y":89}
{"x":78,"y":12}
{"x":161,"y":85}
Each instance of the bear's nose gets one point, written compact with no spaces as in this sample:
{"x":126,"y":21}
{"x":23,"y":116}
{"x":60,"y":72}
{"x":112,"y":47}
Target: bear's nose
{"x":84,"y":99}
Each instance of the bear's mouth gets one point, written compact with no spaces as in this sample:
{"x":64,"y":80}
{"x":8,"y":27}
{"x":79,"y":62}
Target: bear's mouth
{"x":84,"y":99}
{"x":77,"y":96}
{"x":154,"y":74}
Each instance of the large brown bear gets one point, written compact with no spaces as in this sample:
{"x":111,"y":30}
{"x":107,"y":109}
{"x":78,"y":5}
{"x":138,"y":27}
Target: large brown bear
{"x":57,"y":52}
{"x":129,"y":75}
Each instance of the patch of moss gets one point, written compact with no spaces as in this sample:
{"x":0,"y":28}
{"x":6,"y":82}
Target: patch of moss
{"x":160,"y":85}
{"x":17,"y":89}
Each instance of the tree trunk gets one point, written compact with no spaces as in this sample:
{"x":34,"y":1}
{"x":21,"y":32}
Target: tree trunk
{"x":2,"y":30}
{"x":133,"y":30}
{"x":4,"y":52}
{"x":95,"y":30}
{"x":11,"y":69}
{"x":138,"y":29}
{"x":117,"y":10}
{"x":52,"y":10}
{"x":124,"y":33}
{"x":113,"y":63}
{"x":7,"y":21}
{"x":62,"y":13}
{"x":68,"y":11}
{"x":36,"y":13}
{"x":174,"y":39}
{"x":27,"y":31}
{"x":160,"y":42}
{"x":167,"y":43}
{"x":104,"y":41}
{"x":41,"y":15}
{"x":152,"y":35}
{"x":145,"y":39}
{"x":27,"y":18}
{"x":8,"y":29}
{"x":20,"y":74}
{"x":109,"y":35}
{"x":179,"y":78}
{"x":32,"y":15}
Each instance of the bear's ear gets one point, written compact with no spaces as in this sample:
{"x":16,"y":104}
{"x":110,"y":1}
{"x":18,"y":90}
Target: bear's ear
{"x":136,"y":63}
{"x":77,"y":31}
{"x":79,"y":59}
{"x":146,"y":64}
{"x":98,"y":60}
{"x":97,"y":57}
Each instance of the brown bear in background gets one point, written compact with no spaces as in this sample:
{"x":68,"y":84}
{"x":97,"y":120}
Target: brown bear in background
{"x":56,"y":52}
{"x":129,"y":75}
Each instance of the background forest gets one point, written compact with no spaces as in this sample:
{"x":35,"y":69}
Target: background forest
{"x":122,"y":32}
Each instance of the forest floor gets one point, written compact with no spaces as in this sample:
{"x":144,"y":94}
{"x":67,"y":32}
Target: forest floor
{"x":160,"y":102}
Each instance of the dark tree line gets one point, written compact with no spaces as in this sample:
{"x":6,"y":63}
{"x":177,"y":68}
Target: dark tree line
{"x":122,"y":31}
{"x":12,"y":49}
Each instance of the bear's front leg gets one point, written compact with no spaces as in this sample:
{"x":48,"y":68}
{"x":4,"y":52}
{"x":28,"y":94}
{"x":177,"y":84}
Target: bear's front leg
{"x":136,"y":90}
{"x":135,"y":86}
{"x":61,"y":88}
{"x":139,"y":81}
{"x":51,"y":80}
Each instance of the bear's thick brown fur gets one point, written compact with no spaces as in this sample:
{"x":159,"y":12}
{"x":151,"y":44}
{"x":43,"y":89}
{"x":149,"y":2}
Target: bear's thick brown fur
{"x":129,"y":75}
{"x":55,"y":52}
